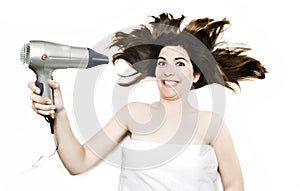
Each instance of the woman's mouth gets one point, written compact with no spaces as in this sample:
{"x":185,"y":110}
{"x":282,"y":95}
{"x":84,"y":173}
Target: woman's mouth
{"x":170,"y":82}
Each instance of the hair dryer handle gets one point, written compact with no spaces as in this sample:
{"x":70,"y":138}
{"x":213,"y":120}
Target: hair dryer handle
{"x":46,"y":91}
{"x":42,"y":84}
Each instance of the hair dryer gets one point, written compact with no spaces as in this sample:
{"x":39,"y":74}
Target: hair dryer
{"x":44,"y":57}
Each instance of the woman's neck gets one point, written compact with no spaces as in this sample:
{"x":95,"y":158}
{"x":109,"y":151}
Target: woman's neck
{"x":178,"y":105}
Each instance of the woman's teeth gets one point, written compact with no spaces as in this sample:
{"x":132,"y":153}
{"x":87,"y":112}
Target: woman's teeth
{"x":170,"y":83}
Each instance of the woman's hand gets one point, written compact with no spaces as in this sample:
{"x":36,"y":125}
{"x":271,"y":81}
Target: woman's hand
{"x":43,"y":105}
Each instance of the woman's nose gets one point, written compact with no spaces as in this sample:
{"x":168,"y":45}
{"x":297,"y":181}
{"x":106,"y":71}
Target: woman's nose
{"x":169,"y":70}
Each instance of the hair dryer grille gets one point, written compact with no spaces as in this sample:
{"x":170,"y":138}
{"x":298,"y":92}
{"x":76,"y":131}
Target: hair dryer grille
{"x":25,"y":54}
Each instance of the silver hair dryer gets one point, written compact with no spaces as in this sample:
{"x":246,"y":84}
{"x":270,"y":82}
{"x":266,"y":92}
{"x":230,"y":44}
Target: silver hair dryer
{"x":44,"y":57}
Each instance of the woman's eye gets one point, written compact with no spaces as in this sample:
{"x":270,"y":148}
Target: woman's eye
{"x":161,"y":63}
{"x":180,"y":64}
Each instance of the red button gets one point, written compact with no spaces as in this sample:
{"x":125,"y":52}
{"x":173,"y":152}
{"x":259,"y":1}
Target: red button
{"x":44,"y":57}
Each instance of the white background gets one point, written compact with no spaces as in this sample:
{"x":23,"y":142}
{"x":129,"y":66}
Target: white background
{"x":263,"y":117}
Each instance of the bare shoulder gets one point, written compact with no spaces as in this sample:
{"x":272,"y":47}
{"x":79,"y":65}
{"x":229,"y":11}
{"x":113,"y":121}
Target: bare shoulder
{"x":210,"y":117}
{"x":135,"y":111}
{"x":134,"y":108}
{"x":211,"y":123}
{"x":205,"y":114}
{"x":138,"y":105}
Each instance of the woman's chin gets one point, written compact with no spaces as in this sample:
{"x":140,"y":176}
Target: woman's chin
{"x":169,"y":95}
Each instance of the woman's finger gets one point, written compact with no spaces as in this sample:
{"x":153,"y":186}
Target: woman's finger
{"x":43,"y":107}
{"x":39,"y":99}
{"x":34,"y":88}
{"x":42,"y":112}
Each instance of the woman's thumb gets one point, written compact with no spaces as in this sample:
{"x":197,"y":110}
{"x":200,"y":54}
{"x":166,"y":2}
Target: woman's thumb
{"x":54,"y":85}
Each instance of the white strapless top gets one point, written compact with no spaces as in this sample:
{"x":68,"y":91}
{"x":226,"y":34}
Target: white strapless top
{"x":151,"y":166}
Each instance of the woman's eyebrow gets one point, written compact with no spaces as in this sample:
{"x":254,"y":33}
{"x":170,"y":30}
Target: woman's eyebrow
{"x":179,"y":58}
{"x":161,"y":58}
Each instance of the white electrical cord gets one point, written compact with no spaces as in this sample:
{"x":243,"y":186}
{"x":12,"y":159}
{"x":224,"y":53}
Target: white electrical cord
{"x":46,"y":156}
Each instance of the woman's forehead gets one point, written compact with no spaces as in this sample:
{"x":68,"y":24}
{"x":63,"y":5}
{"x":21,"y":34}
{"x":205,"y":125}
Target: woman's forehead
{"x":174,"y":51}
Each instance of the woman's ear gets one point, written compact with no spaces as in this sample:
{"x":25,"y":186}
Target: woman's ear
{"x":196,"y":77}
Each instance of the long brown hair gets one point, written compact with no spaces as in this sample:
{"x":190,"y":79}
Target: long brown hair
{"x":216,"y":64}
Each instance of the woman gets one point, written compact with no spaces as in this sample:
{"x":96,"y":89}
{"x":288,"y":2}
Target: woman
{"x":171,"y":130}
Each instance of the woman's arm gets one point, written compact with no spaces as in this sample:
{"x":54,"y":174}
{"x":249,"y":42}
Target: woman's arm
{"x":76,"y":158}
{"x":229,"y":166}
{"x":79,"y":158}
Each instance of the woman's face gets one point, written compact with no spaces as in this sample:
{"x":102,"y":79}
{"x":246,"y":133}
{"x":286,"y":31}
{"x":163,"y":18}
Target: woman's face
{"x":174,"y":73}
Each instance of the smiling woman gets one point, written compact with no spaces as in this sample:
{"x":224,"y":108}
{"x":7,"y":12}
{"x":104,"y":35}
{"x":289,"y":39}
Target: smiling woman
{"x":172,"y":145}
{"x":174,"y":72}
{"x":182,"y":60}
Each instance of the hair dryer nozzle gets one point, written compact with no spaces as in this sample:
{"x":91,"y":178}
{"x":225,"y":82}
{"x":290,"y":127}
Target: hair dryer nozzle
{"x":96,"y":58}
